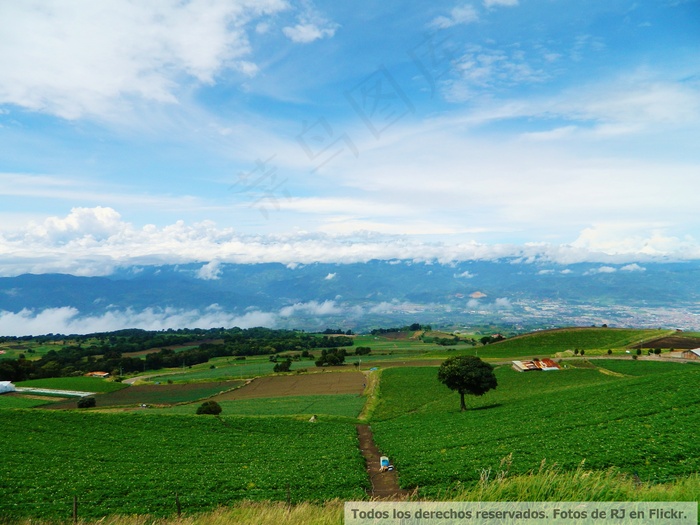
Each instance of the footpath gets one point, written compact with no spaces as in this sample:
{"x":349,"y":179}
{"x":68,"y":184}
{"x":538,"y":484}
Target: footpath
{"x":385,"y":485}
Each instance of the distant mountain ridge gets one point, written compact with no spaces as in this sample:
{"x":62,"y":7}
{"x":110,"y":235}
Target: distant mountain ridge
{"x":369,"y":294}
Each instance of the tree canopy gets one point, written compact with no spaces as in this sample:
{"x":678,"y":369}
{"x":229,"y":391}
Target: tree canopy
{"x":467,"y":375}
{"x":210,"y":407}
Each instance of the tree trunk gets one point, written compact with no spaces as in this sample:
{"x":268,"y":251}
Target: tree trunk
{"x":462,"y":405}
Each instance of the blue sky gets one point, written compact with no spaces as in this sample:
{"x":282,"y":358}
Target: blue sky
{"x":298,"y":131}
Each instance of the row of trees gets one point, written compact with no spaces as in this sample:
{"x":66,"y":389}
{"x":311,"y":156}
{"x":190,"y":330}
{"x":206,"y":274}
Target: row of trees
{"x":409,"y":328}
{"x":104,"y":353}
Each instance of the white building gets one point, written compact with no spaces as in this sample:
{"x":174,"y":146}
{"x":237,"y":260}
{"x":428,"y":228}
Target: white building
{"x":6,"y":386}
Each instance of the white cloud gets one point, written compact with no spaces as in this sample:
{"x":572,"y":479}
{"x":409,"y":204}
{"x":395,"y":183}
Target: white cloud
{"x":503,"y":3}
{"x":210,"y":271}
{"x":464,"y":275}
{"x":630,"y":238}
{"x":502,"y":303}
{"x":311,"y":308}
{"x":395,"y":306}
{"x":67,"y":320}
{"x":82,"y":58}
{"x":330,"y":276}
{"x":465,"y":14}
{"x":545,"y":272}
{"x":634,"y":267}
{"x":601,"y":269}
{"x":94,"y":241}
{"x":311,"y":25}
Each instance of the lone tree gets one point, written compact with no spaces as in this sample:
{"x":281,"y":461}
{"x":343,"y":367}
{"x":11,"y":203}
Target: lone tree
{"x":210,"y":407}
{"x":467,"y":375}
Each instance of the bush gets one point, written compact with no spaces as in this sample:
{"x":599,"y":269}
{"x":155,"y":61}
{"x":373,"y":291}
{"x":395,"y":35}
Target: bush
{"x":210,"y":407}
{"x":87,"y":402}
{"x":284,"y":366}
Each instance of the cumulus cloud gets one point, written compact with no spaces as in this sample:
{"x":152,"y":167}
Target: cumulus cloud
{"x":464,"y":275}
{"x":625,"y":238}
{"x":330,"y":276}
{"x":311,"y":308}
{"x":210,"y":271}
{"x":310,"y":26}
{"x":634,"y":267}
{"x":78,"y":58}
{"x":95,"y":241}
{"x":464,"y":14}
{"x":601,"y":269}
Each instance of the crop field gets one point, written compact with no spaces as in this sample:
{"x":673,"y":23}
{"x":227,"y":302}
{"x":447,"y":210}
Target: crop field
{"x":349,"y":382}
{"x":136,"y":462}
{"x":22,"y":401}
{"x":343,"y":405}
{"x":640,"y":424}
{"x":226,"y":368}
{"x":80,"y":384}
{"x":677,"y":341}
{"x":30,"y":349}
{"x":548,"y":343}
{"x":163,"y":394}
{"x":634,"y":416}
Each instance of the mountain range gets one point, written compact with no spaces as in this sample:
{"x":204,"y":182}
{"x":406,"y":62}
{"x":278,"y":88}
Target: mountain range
{"x":508,"y":292}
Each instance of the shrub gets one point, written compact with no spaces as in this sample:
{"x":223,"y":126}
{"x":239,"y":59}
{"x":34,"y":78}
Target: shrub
{"x":87,"y":402}
{"x":284,"y":366}
{"x":210,"y":407}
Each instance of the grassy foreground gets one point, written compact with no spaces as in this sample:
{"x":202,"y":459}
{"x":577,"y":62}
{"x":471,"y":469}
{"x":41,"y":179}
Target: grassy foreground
{"x":548,"y":484}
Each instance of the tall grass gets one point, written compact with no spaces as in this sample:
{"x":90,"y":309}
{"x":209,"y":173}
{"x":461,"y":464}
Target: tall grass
{"x":552,"y":484}
{"x":245,"y":513}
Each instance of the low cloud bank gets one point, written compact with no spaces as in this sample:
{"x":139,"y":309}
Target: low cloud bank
{"x":68,"y":320}
{"x":95,"y":241}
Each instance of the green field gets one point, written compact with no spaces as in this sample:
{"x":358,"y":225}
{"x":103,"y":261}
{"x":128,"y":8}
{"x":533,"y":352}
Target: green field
{"x":135,"y":463}
{"x":593,"y":418}
{"x":14,"y":401}
{"x":163,"y":394}
{"x":639,"y":423}
{"x":547,"y":343}
{"x":79,"y":384}
{"x":344,"y":405}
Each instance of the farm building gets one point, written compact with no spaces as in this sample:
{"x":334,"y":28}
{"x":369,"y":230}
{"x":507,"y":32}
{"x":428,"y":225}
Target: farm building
{"x":103,"y":375}
{"x":538,"y":364}
{"x":691,"y":354}
{"x":6,"y":386}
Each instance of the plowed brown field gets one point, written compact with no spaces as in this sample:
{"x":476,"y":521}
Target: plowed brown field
{"x":299,"y":385}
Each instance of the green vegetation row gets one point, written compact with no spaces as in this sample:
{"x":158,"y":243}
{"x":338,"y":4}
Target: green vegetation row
{"x":634,"y":416}
{"x":549,"y":484}
{"x":134,"y":463}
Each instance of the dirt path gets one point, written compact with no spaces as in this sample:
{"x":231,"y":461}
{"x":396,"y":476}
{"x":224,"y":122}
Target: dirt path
{"x":385,"y":485}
